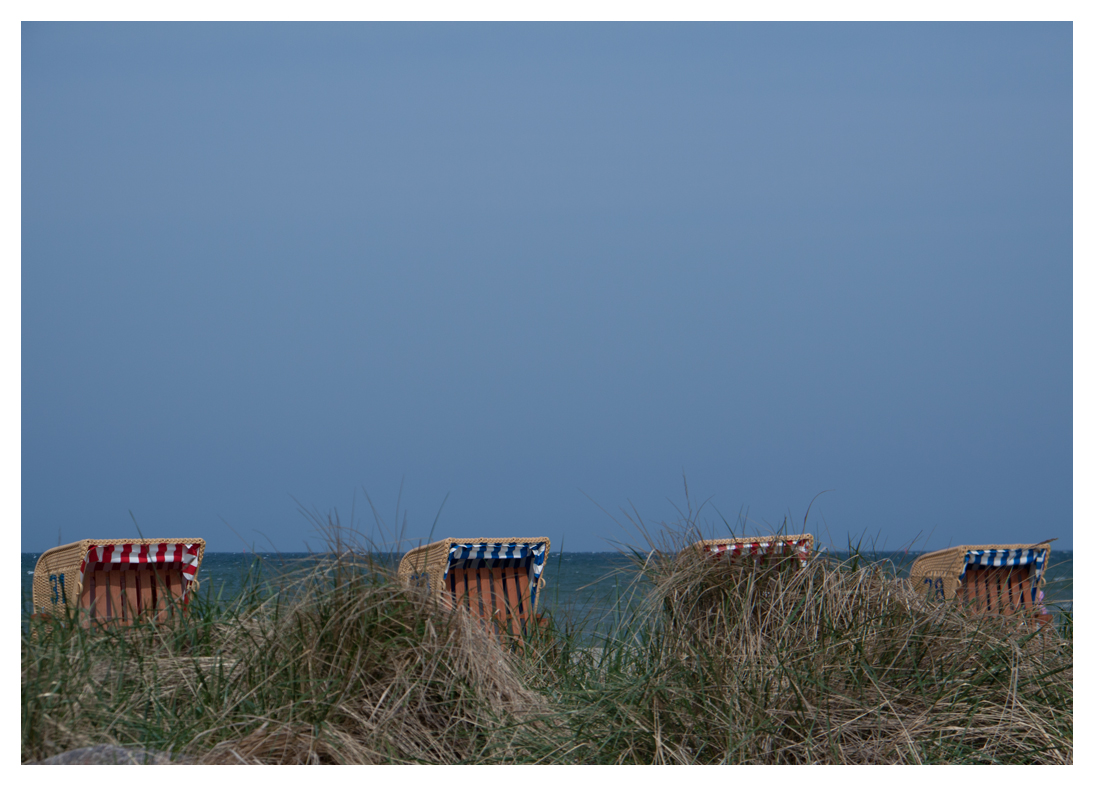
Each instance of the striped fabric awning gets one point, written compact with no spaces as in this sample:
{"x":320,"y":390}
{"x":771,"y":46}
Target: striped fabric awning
{"x":763,"y":548}
{"x":998,"y":558}
{"x":483,"y":555}
{"x":129,"y":555}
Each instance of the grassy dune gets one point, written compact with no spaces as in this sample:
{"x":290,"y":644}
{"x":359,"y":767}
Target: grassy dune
{"x":832,"y":663}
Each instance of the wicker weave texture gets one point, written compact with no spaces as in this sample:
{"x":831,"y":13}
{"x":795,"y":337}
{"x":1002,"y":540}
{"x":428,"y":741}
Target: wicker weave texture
{"x":756,"y":539}
{"x":60,"y":562}
{"x":424,"y":566}
{"x":63,"y":563}
{"x":948,"y":564}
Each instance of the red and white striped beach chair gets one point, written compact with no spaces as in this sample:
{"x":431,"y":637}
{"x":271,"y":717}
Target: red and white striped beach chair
{"x":118,"y":581}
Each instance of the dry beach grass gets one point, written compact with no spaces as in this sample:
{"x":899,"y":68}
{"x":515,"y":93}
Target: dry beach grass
{"x":831,"y":663}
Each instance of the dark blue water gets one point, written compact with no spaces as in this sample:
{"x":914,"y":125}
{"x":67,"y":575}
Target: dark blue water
{"x":581,"y":589}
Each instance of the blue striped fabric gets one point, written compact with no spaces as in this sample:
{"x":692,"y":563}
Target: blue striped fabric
{"x":998,"y":558}
{"x":483,"y":555}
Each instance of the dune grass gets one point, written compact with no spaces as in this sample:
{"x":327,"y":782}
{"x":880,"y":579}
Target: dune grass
{"x":837,"y":662}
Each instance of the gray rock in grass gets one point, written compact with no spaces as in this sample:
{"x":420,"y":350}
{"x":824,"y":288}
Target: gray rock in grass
{"x":108,"y":754}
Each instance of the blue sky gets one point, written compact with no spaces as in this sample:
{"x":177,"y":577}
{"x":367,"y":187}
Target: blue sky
{"x":546,"y":270}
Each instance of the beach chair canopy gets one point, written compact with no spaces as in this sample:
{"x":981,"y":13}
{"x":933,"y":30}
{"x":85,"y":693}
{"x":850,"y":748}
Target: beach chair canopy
{"x":760,"y":548}
{"x":123,"y":556}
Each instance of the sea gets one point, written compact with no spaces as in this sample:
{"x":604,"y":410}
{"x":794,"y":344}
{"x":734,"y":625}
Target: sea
{"x":586,"y":590}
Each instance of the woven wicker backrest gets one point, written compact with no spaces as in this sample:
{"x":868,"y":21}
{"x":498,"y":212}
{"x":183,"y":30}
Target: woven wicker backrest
{"x":943,"y":575}
{"x":494,"y":578}
{"x":118,"y":579}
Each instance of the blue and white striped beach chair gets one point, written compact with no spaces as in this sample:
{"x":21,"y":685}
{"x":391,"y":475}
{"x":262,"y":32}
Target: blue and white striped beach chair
{"x":989,"y":579}
{"x":496,"y":579}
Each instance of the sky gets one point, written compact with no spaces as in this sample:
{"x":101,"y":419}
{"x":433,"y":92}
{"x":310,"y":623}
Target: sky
{"x":567,"y":280}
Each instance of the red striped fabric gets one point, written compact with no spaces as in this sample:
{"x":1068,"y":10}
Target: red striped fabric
{"x":127,"y":555}
{"x":761,"y":548}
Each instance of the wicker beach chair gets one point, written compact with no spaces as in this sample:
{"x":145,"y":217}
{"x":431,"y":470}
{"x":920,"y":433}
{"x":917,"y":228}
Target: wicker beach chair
{"x":987,"y":579}
{"x":761,"y":549}
{"x":496,"y":579}
{"x":734,"y":570}
{"x":118,"y":581}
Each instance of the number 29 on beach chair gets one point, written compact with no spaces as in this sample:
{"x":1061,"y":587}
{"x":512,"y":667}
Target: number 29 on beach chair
{"x":496,"y":579}
{"x":118,"y":581}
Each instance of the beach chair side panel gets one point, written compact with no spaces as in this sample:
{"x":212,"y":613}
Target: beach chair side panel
{"x":423,"y":567}
{"x":935,"y":575}
{"x":56,"y":578}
